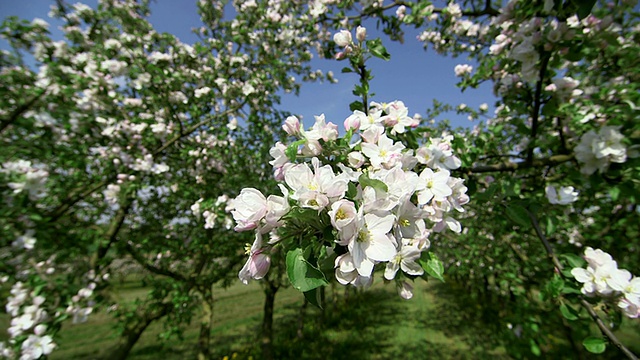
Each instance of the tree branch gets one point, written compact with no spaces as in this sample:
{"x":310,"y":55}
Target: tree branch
{"x":513,"y":166}
{"x":537,"y":103}
{"x":111,"y":234}
{"x":152,"y":268}
{"x":4,"y":123}
{"x":601,"y":325}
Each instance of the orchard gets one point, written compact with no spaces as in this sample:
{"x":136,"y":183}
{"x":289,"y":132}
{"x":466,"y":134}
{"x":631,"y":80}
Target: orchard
{"x":126,"y":152}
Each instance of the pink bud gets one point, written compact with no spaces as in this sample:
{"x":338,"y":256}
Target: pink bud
{"x":292,"y":126}
{"x":352,"y":123}
{"x":259,"y":264}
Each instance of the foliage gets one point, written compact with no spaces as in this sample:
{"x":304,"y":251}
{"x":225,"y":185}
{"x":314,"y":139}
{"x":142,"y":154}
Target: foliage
{"x":122,"y":145}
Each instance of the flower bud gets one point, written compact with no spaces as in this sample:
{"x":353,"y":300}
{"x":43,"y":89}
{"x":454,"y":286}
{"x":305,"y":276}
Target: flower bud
{"x":342,"y":38}
{"x":361,"y":33}
{"x":352,"y":122}
{"x":292,"y":126}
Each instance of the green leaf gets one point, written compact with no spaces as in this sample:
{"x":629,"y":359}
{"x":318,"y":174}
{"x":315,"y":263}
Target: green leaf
{"x":555,"y":286}
{"x":614,"y":192}
{"x":573,"y":260}
{"x":356,"y":105}
{"x":535,"y":349}
{"x":568,"y":312}
{"x":584,"y":8}
{"x":302,"y":274}
{"x":378,"y":50}
{"x":518,"y":214}
{"x":292,"y":149}
{"x":487,"y":194}
{"x":365,"y":181}
{"x":433,"y":267}
{"x":313,"y":297}
{"x":595,"y":345}
{"x":551,"y":225}
{"x":347,"y":69}
{"x":570,"y":290}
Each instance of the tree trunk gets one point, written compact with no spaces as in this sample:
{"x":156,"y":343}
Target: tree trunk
{"x":132,"y":333}
{"x":267,"y":321}
{"x":303,"y":309}
{"x":204,"y":340}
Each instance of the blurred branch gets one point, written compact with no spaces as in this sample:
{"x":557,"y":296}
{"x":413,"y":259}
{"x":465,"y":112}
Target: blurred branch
{"x":537,"y":103}
{"x":601,"y":325}
{"x":152,"y":268}
{"x":112,"y":233}
{"x":513,"y":166}
{"x":19,"y":111}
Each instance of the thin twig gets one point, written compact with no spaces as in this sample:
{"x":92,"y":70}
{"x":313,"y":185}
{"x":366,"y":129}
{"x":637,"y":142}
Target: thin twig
{"x":601,"y":325}
{"x":513,"y":166}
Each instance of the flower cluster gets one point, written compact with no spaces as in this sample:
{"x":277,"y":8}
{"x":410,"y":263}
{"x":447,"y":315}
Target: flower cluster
{"x":28,"y":178}
{"x":28,"y":317}
{"x":603,"y":278}
{"x":366,"y":201}
{"x":597,"y":150}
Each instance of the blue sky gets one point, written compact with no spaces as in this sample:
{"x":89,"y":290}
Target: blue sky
{"x":413,"y":75}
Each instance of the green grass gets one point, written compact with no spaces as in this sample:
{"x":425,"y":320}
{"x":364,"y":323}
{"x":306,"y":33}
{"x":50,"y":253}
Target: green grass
{"x":376,"y":324}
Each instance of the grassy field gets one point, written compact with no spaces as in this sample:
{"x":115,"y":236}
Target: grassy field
{"x":375,"y":325}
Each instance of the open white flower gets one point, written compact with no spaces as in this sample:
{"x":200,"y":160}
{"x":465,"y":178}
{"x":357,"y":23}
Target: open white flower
{"x":563,"y":196}
{"x":372,"y":242}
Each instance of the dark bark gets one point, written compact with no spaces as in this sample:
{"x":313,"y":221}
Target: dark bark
{"x":204,"y":339}
{"x":270,"y":290}
{"x":132,"y":332}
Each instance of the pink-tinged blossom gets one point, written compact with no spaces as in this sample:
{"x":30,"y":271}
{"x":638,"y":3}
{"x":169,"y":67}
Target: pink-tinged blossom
{"x":352,"y":122}
{"x":597,"y":257}
{"x":322,"y":130}
{"x":629,"y":309}
{"x":405,"y":290}
{"x":248,"y":209}
{"x":375,"y":200}
{"x":198,"y":93}
{"x":385,"y":153}
{"x":458,"y":195}
{"x":301,"y":179}
{"x":397,"y":117}
{"x":280,"y":160}
{"x":401,"y":11}
{"x":438,"y":154}
{"x":258,"y":263}
{"x":292,"y":126}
